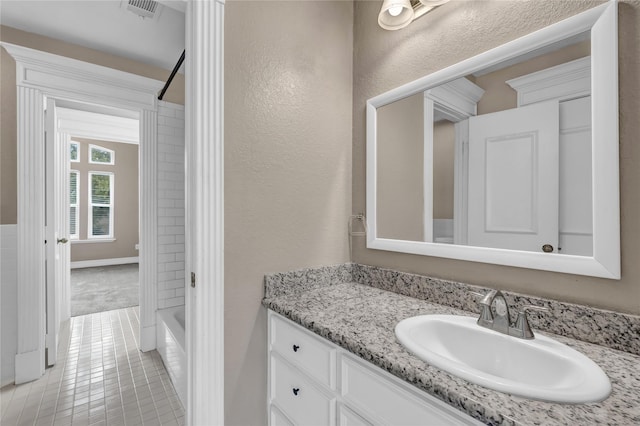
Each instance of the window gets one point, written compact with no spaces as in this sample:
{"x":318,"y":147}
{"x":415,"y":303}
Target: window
{"x":100,"y":205}
{"x":74,"y":152}
{"x":99,"y":155}
{"x":74,"y":187}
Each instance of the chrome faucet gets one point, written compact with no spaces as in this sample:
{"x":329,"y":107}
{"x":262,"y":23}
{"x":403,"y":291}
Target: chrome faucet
{"x":494,"y":314}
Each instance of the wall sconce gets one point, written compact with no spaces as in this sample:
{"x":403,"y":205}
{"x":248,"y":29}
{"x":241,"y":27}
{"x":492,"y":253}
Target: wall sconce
{"x":396,"y":14}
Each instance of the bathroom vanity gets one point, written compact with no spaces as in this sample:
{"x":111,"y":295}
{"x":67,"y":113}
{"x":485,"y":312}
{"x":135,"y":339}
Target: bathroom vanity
{"x":313,"y":381}
{"x":334,"y":357}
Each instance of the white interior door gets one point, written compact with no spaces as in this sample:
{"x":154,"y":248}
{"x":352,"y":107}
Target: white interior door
{"x":513,"y":178}
{"x":576,"y":211}
{"x":428,"y":170}
{"x":57,"y":229}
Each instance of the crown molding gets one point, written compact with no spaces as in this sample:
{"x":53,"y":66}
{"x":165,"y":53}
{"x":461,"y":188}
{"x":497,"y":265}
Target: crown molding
{"x":62,"y":76}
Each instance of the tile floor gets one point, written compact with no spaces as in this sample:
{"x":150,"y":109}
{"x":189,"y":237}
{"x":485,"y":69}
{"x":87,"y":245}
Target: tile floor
{"x":101,"y":378}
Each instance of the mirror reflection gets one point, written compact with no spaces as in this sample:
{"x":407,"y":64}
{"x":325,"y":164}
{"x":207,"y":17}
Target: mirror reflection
{"x":499,"y":158}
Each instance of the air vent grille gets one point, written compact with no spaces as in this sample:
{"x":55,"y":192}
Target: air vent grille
{"x":144,"y":8}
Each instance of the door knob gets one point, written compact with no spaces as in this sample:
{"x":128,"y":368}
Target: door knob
{"x":547,"y":248}
{"x":62,"y":241}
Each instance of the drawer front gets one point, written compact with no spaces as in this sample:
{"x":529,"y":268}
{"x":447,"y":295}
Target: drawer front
{"x":385,"y":399}
{"x":306,"y":351}
{"x":277,"y":418}
{"x":298,"y":397}
{"x":346,"y":417}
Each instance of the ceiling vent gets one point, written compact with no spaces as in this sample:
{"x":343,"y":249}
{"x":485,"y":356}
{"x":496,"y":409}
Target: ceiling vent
{"x":144,"y":8}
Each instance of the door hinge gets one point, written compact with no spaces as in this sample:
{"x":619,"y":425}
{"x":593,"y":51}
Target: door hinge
{"x":193,"y":279}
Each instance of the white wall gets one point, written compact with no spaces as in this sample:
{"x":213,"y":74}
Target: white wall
{"x":170,"y":205}
{"x":8,"y":302}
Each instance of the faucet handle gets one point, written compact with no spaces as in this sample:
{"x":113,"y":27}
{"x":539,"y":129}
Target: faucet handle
{"x":477,"y":294}
{"x":486,"y":317}
{"x":522,"y":328}
{"x":487,"y":298}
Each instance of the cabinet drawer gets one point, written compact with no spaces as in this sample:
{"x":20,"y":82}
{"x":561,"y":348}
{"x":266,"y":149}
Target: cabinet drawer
{"x":277,"y":418}
{"x":346,"y":417}
{"x":385,"y":399}
{"x":306,"y":351}
{"x":298,"y":398}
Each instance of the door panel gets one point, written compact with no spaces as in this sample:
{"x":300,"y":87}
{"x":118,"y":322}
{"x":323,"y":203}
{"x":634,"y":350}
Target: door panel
{"x":576,"y":218}
{"x":513,"y":178}
{"x":57,"y":230}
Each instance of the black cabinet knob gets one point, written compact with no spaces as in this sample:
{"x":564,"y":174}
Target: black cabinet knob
{"x":295,"y":391}
{"x":295,"y":348}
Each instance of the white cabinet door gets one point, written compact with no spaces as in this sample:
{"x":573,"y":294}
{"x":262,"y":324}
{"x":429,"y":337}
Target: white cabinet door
{"x":385,"y":399}
{"x":277,"y":417}
{"x":346,"y":417}
{"x":513,"y":178}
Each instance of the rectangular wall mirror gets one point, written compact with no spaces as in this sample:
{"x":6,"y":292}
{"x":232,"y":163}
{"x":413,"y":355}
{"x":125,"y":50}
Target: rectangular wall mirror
{"x":509,"y":157}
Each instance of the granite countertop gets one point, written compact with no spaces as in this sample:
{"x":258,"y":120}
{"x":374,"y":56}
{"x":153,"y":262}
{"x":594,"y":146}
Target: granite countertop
{"x":362,"y":318}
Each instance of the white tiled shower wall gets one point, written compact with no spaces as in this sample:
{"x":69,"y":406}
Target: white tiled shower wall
{"x":170,"y":205}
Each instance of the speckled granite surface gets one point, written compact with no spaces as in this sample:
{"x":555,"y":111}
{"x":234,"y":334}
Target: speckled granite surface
{"x":302,"y":280}
{"x":361,"y":319}
{"x":599,"y":326}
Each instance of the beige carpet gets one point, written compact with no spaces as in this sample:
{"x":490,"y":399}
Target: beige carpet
{"x":103,"y":288}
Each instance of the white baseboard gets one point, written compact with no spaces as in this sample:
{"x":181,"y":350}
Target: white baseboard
{"x":103,"y":262}
{"x":148,"y":338}
{"x":29,"y":366}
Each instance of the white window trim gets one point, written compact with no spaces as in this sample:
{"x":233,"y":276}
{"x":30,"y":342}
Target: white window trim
{"x":98,"y":147}
{"x":77,"y":160}
{"x":90,"y":204}
{"x":75,"y":236}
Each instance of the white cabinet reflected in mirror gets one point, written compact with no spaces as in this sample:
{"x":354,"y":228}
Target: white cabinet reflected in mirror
{"x":510,"y":157}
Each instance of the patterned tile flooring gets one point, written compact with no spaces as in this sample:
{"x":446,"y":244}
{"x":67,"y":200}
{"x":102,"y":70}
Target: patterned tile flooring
{"x":101,"y":378}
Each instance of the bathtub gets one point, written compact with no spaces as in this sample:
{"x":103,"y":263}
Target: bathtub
{"x":171,"y":346}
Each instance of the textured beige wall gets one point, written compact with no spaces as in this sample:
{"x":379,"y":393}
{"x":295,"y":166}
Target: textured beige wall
{"x":458,"y":30}
{"x":400,"y":137}
{"x":288,"y":74}
{"x":8,"y":200}
{"x":125,"y":220}
{"x":444,"y":154}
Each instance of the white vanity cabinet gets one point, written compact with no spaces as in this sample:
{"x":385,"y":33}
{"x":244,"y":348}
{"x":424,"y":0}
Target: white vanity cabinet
{"x":314,"y":382}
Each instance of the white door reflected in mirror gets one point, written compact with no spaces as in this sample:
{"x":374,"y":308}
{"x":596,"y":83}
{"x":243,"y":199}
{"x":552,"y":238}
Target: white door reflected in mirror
{"x":513,"y":178}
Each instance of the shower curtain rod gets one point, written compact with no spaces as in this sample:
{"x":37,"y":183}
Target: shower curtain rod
{"x":173,"y":73}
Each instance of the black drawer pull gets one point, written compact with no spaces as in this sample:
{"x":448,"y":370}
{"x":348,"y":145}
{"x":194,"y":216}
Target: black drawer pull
{"x":295,"y":348}
{"x":295,"y":391}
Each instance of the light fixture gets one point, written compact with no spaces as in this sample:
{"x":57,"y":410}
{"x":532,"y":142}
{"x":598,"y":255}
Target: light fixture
{"x":396,"y":14}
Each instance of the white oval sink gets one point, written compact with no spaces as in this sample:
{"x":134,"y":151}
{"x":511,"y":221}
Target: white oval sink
{"x":542,"y":368}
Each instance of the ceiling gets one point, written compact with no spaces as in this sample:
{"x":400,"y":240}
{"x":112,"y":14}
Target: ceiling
{"x":104,"y":25}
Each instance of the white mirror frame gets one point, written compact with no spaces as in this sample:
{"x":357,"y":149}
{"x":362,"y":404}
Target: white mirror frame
{"x":602,"y":22}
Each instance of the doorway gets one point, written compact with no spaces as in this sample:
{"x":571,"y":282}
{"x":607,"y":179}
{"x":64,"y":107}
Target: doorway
{"x":103,"y":225}
{"x":43,"y":74}
{"x":92,"y":212}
